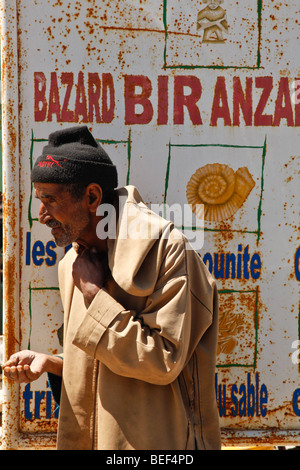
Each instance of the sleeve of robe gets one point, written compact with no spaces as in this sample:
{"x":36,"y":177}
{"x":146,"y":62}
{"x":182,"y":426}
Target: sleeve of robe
{"x":155,"y":344}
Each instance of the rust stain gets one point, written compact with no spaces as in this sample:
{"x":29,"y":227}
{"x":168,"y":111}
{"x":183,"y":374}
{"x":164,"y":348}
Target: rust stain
{"x":10,"y":272}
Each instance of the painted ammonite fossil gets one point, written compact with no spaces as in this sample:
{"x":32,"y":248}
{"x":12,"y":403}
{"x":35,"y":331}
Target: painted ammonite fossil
{"x":230,"y":325}
{"x":220,"y":189}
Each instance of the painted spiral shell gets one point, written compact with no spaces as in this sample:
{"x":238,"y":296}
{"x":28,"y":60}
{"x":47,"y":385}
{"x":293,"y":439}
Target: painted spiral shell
{"x":220,"y":189}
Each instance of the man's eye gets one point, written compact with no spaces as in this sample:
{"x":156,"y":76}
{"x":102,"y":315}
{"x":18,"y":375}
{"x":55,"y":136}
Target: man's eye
{"x":48,"y":200}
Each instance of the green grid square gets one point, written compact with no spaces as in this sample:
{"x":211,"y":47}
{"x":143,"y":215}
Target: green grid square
{"x":220,"y":67}
{"x":255,"y":325}
{"x":264,"y":150}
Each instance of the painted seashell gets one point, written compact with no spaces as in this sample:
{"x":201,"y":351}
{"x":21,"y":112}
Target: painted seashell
{"x":220,"y":189}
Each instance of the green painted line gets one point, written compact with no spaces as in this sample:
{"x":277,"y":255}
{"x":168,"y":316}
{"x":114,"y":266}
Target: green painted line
{"x":221,"y":145}
{"x":167,"y":174}
{"x":128,"y":157}
{"x":262,"y":190}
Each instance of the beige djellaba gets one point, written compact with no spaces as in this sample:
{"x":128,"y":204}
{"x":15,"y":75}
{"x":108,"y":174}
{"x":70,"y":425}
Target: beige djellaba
{"x":139,"y":361}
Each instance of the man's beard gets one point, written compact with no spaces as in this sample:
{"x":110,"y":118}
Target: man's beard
{"x":66,"y":234}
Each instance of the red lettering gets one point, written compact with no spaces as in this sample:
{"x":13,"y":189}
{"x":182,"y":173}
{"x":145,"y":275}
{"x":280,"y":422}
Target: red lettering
{"x":162,"y":108}
{"x":108,"y":110}
{"x":242,"y":101}
{"x":189,"y":101}
{"x":260,"y":119}
{"x":220,"y":108}
{"x":94,"y":90}
{"x":46,"y":164}
{"x":95,"y":100}
{"x":132,"y":99}
{"x":67,"y":78}
{"x":40,"y":103}
{"x":283,"y":112}
{"x":80,"y":102}
{"x":296,"y":100}
{"x":53,"y":102}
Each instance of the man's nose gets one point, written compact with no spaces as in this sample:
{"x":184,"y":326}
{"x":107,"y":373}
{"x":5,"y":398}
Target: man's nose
{"x":44,"y":215}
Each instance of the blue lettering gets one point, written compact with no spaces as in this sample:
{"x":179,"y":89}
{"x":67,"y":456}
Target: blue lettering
{"x":51,"y":253}
{"x":27,"y":395}
{"x":39,"y":396}
{"x":297,"y":264}
{"x":208,"y":258}
{"x":246,"y":261}
{"x":296,"y":408}
{"x":38,"y":402}
{"x":28,"y":245}
{"x":251,"y":397}
{"x":239,"y":263}
{"x":221,"y":400}
{"x":257,"y":392}
{"x":231,"y":265}
{"x":247,"y":399}
{"x":230,"y":258}
{"x":255,"y":266}
{"x":219,"y":271}
{"x":263,"y":400}
{"x":242,"y":402}
{"x":234,"y":399}
{"x":38,"y":252}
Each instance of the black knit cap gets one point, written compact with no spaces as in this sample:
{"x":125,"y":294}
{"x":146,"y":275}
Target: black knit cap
{"x":73,"y":156}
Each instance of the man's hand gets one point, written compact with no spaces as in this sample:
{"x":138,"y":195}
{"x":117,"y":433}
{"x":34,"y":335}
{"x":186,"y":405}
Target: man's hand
{"x":27,"y":366}
{"x":89,"y":273}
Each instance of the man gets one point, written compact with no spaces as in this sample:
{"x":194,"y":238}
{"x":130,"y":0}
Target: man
{"x":140,"y":328}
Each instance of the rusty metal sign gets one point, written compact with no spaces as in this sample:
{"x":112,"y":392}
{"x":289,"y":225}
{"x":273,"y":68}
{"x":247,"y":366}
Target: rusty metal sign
{"x":196,"y":102}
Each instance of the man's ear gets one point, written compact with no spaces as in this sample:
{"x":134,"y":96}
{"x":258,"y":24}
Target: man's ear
{"x":94,"y":196}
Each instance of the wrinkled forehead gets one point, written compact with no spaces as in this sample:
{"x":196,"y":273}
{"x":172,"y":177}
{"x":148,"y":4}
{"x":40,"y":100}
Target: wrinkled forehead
{"x":49,"y":189}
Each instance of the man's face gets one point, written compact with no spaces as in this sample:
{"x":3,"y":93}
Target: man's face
{"x":68,"y":219}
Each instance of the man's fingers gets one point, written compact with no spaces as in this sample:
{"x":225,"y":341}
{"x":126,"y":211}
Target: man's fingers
{"x":10,"y":372}
{"x":19,"y":374}
{"x":20,"y":358}
{"x":25,"y":366}
{"x":12,"y":361}
{"x":13,"y":373}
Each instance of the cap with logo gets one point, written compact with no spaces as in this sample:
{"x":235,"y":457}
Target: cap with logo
{"x":74,"y":156}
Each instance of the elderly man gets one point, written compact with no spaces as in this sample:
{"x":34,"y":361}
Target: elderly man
{"x":140,"y":328}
